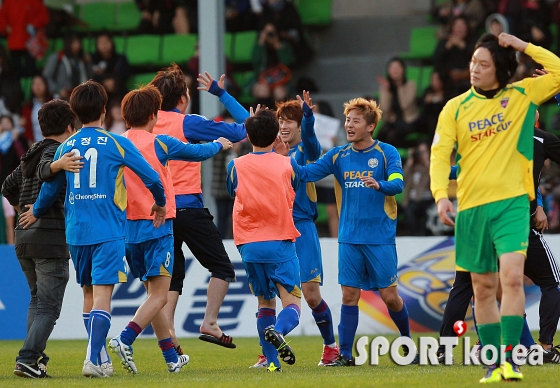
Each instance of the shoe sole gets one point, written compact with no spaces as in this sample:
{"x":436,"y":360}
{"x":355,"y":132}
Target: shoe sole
{"x":284,"y":351}
{"x":116,"y":348}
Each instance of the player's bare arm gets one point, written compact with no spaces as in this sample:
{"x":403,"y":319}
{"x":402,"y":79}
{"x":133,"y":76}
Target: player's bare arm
{"x":226,"y":144}
{"x":507,"y":40}
{"x":445,"y":210}
{"x":26,"y":219}
{"x":206,"y":81}
{"x":68,"y":162}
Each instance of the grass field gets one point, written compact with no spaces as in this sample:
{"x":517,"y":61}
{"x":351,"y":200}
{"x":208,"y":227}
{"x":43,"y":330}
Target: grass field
{"x":213,"y":366}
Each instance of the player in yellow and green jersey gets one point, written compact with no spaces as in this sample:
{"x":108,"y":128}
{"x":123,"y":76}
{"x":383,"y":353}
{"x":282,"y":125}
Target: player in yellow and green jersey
{"x":492,"y":127}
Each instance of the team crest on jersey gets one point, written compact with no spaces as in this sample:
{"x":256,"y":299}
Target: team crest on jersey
{"x":71,"y":198}
{"x":504,"y":101}
{"x":372,"y":162}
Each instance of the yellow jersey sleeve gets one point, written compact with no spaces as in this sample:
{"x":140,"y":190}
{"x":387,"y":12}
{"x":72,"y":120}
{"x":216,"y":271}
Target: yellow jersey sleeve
{"x":442,"y":147}
{"x":541,"y":89}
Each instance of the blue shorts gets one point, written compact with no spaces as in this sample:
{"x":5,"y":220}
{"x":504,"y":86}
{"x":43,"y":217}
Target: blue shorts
{"x":99,"y":264}
{"x":368,"y":267}
{"x":263,"y":276}
{"x":151,"y":258}
{"x":309,"y":253}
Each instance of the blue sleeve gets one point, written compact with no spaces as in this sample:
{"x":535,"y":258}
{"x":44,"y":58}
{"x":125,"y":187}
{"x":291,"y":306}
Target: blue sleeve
{"x":198,"y":128}
{"x":539,"y":197}
{"x":394,"y":183}
{"x":238,"y":112}
{"x":295,"y":174}
{"x":311,"y":145}
{"x":49,"y":193}
{"x":557,"y":97}
{"x":319,"y":169}
{"x":453,"y":173}
{"x":134,"y":160}
{"x":231,"y":178}
{"x":177,"y":150}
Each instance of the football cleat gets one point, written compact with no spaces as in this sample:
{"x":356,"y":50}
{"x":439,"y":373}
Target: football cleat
{"x":342,"y":360}
{"x":330,"y":354}
{"x":510,"y":371}
{"x":175,"y":367}
{"x":273,"y":368}
{"x":32,"y":371}
{"x":261,"y":362}
{"x":125,"y":354}
{"x":277,"y":340}
{"x":108,"y":369}
{"x":92,"y":370}
{"x":552,"y":356}
{"x":493,"y":375}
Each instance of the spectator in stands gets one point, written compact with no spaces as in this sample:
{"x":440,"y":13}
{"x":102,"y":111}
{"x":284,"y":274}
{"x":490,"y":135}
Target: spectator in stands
{"x":511,"y":9}
{"x":10,"y":88}
{"x":17,"y":19}
{"x":66,"y":69}
{"x":284,"y":16}
{"x":106,"y":62}
{"x":271,"y":60}
{"x":417,"y":195}
{"x":114,"y":121}
{"x":166,"y":17}
{"x":453,"y":55}
{"x":240,"y":16}
{"x":61,"y":17}
{"x":397,"y":100}
{"x":474,"y":12}
{"x":12,"y":146}
{"x":435,"y":97}
{"x":534,"y":23}
{"x":496,"y":24}
{"x":40,"y":94}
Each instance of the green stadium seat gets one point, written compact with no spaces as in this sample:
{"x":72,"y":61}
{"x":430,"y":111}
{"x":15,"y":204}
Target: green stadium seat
{"x":178,"y":49}
{"x":142,"y":50}
{"x":25,"y":83}
{"x":322,"y":217}
{"x":243,"y":43}
{"x":244,"y":80}
{"x":98,"y":15}
{"x":88,"y":43}
{"x":228,"y":45}
{"x":120,"y":44}
{"x":315,"y":12}
{"x":140,"y":80}
{"x":423,"y":42}
{"x":128,"y":16}
{"x":421,"y":75}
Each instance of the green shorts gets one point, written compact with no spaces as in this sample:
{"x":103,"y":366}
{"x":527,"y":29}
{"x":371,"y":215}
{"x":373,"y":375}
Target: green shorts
{"x":484,"y":233}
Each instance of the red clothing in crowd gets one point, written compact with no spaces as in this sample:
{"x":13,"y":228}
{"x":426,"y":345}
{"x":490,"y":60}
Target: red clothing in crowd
{"x":16,"y":15}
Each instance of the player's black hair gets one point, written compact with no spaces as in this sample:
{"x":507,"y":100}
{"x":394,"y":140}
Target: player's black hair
{"x":503,"y":57}
{"x":262,"y":128}
{"x":88,"y":101}
{"x":55,"y":116}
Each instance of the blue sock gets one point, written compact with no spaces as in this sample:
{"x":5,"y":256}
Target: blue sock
{"x":401,"y":320}
{"x":349,"y":316}
{"x":168,"y":351}
{"x":265,"y":319}
{"x":99,"y":325}
{"x":323,"y":319}
{"x":85,"y":317}
{"x":526,"y":336}
{"x":288,"y":319}
{"x":130,"y":332}
{"x":103,"y":355}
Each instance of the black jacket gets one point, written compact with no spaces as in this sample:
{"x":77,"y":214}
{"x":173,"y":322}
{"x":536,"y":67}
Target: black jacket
{"x":45,"y":238}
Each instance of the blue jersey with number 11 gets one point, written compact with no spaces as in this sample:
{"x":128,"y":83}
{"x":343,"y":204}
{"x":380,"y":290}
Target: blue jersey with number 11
{"x":96,"y":195}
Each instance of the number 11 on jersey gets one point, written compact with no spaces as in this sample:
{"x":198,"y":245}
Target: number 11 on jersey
{"x":91,"y":156}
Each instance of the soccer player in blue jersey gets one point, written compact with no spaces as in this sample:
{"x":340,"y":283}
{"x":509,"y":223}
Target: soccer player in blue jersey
{"x":95,"y":211}
{"x":149,"y":250}
{"x":264,"y":233}
{"x":194,"y":224}
{"x":368,"y":174}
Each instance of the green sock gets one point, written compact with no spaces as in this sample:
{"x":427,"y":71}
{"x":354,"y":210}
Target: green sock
{"x":512,"y":326}
{"x":490,"y":334}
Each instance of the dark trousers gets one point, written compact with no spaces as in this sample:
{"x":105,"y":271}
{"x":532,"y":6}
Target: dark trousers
{"x":225,"y":209}
{"x":47,"y":279}
{"x":196,"y":228}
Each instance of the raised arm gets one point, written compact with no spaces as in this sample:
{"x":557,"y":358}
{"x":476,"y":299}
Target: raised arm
{"x":198,"y":128}
{"x":308,"y":137}
{"x":319,"y":169}
{"x":231,"y":178}
{"x":238,"y":112}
